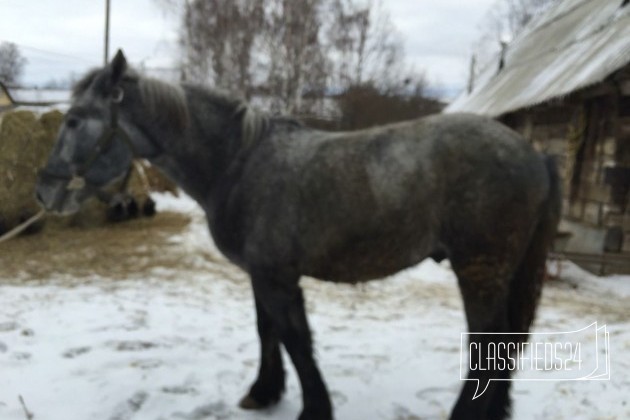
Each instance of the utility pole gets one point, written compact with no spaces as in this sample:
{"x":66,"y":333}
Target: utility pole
{"x":471,"y":73}
{"x":106,"y":57}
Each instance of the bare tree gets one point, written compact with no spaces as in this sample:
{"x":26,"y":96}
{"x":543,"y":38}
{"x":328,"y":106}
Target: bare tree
{"x":503,"y":22}
{"x":243,"y":45}
{"x":364,"y":43}
{"x":297,"y":64}
{"x":295,"y":51}
{"x":11,"y":63}
{"x":218,"y":37}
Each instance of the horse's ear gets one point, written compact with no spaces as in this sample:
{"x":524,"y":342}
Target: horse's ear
{"x":119,"y":65}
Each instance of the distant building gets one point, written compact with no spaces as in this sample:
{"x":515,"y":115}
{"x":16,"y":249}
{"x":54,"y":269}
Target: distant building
{"x":6,"y":102}
{"x":564,"y":83}
{"x":36,"y":97}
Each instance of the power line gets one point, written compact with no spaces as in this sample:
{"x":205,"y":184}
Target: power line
{"x":48,"y":52}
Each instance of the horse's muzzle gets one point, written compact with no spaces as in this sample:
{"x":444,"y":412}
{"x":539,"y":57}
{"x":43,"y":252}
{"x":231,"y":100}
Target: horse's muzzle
{"x":55,"y":196}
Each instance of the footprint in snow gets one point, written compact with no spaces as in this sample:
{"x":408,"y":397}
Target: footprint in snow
{"x":127,"y":409}
{"x":431,"y":392}
{"x":22,"y":355}
{"x":338,"y":398}
{"x":27,"y":332}
{"x":132,"y":345}
{"x":180,"y":390}
{"x":403,"y":413}
{"x":8,"y":326}
{"x":77,"y":351}
{"x":214,"y":411}
{"x":436,"y":396}
{"x":145,"y":364}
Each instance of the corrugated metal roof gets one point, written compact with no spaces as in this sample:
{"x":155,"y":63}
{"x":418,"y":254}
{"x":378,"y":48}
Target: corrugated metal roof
{"x":574,"y":44}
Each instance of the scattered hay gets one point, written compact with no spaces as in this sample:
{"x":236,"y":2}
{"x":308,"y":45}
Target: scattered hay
{"x":119,"y":250}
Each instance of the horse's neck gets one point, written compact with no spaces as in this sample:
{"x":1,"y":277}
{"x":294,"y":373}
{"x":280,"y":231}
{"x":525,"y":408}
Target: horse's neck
{"x":185,"y":176}
{"x":197,"y":158}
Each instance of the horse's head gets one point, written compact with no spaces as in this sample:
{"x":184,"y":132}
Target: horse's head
{"x":92,"y":149}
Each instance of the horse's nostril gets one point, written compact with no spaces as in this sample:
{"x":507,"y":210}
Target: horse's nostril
{"x":73,"y":122}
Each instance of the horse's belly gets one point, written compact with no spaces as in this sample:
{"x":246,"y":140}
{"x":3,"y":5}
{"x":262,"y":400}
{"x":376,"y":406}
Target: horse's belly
{"x":367,"y":259}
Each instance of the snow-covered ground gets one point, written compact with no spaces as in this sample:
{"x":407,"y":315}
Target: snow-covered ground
{"x":173,"y":343}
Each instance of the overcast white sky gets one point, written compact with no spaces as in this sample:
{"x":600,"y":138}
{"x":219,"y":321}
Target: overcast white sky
{"x":59,"y":37}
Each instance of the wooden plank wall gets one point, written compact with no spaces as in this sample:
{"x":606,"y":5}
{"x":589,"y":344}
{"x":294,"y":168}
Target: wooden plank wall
{"x":589,"y":133}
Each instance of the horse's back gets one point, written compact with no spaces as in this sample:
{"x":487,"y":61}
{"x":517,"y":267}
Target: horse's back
{"x":359,"y":205}
{"x":430,"y":165}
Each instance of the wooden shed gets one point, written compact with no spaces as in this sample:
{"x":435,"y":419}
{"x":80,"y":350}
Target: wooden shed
{"x":564,"y":83}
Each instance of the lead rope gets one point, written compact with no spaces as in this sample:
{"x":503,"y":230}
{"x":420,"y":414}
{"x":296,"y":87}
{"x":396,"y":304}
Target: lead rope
{"x":21,"y":227}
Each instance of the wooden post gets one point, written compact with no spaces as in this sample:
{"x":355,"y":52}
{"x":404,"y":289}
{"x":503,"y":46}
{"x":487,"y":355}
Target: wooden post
{"x":471,"y":74}
{"x":106,"y":54}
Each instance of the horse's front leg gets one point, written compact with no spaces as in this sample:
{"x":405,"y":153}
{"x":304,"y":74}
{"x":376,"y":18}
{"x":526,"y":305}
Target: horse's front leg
{"x":280,"y":296}
{"x":268,"y":386}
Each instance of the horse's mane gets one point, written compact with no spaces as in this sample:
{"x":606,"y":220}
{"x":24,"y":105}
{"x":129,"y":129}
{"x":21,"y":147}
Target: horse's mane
{"x":165,"y":101}
{"x":83,"y":84}
{"x":253,"y":124}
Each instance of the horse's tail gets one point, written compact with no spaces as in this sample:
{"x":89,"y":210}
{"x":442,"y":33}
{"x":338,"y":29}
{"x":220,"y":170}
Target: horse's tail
{"x":527,"y":282}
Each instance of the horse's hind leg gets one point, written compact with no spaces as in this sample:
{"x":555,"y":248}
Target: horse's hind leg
{"x":484,"y":284}
{"x":269,"y":385}
{"x":525,"y":289}
{"x":280,"y":297}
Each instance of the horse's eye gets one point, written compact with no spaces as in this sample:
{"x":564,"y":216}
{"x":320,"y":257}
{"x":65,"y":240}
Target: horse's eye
{"x":73,"y":122}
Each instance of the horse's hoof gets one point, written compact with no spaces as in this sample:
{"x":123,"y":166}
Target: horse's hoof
{"x":148,"y":208}
{"x":263,"y":394}
{"x":116,"y":212}
{"x":249,"y":403}
{"x":132,"y":208}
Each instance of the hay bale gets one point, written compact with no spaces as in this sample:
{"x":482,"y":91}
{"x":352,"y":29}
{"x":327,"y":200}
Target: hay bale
{"x":25,"y":143}
{"x":50,"y":122}
{"x":158,"y":181}
{"x":24,"y":147}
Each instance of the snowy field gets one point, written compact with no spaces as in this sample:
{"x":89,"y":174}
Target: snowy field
{"x":180,"y":343}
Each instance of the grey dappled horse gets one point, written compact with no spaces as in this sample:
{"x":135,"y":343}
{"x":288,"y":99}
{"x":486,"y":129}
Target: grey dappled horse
{"x":283,"y":200}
